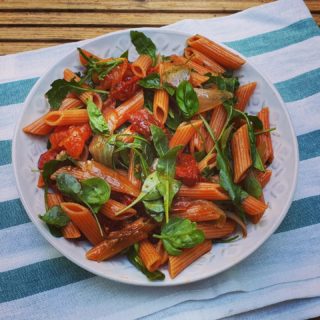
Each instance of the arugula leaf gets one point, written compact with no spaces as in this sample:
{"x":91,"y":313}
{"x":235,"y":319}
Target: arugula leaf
{"x":143,"y":44}
{"x":187,"y":99}
{"x":97,"y":121}
{"x":60,"y":88}
{"x":252,"y":185}
{"x":230,"y":84}
{"x":134,"y":258}
{"x":179,"y":234}
{"x":95,"y":192}
{"x":152,"y":81}
{"x":256,"y":122}
{"x":167,"y":162}
{"x":160,"y":140}
{"x":125,"y":54}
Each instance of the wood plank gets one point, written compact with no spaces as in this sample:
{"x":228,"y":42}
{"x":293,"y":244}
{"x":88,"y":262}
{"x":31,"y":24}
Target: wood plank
{"x":142,"y":5}
{"x":96,"y":18}
{"x":14,"y":47}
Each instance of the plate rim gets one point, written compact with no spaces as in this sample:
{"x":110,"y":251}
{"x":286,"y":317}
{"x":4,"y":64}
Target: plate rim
{"x":45,"y":233}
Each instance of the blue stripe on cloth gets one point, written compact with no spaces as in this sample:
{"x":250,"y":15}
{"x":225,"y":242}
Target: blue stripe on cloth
{"x":300,"y":87}
{"x":270,"y":41}
{"x":38,"y":277}
{"x":15,"y":91}
{"x":5,"y":152}
{"x":302,"y":213}
{"x":309,"y":145}
{"x":12,"y":214}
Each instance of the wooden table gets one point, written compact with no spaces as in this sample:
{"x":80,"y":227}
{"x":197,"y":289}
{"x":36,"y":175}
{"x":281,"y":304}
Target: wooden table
{"x":27,"y":25}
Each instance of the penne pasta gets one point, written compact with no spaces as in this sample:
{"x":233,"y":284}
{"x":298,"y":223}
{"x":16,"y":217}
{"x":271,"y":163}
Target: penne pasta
{"x":161,"y":106}
{"x":211,"y":98}
{"x":209,"y":161}
{"x":141,"y":65}
{"x":221,"y":55}
{"x":263,"y":141}
{"x":70,"y":231}
{"x":213,"y":231}
{"x":263,"y":177}
{"x":88,"y":54}
{"x":149,"y":255}
{"x":204,"y":191}
{"x":112,"y":206}
{"x":201,"y":59}
{"x":197,"y":142}
{"x":38,"y":127}
{"x":162,"y":252}
{"x":69,"y":75}
{"x":196,"y":79}
{"x":243,"y":95}
{"x":254,"y":208}
{"x":71,"y":103}
{"x":179,"y":60}
{"x":66,"y":117}
{"x":184,"y":133}
{"x":54,"y":199}
{"x":240,"y":147}
{"x":178,"y":263}
{"x":132,"y":171}
{"x":84,"y":220}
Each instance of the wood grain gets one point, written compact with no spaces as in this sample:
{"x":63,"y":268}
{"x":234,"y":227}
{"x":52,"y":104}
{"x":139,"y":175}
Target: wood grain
{"x":28,"y":25}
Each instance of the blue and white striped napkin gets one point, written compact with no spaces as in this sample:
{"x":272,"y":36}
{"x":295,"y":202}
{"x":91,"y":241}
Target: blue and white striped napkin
{"x":281,"y":280}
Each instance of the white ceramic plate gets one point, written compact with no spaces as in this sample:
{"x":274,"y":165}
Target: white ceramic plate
{"x":278,"y":193}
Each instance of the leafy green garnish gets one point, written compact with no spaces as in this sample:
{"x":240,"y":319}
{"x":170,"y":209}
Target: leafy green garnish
{"x":230,"y":84}
{"x":134,"y":258}
{"x":179,"y":234}
{"x":55,"y":218}
{"x":60,"y":88}
{"x":252,"y":185}
{"x":187,"y":99}
{"x":97,"y":121}
{"x":68,"y":185}
{"x":143,"y":44}
{"x":160,"y":140}
{"x":125,"y":54}
{"x":152,"y":81}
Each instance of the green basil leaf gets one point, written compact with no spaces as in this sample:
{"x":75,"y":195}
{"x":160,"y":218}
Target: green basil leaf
{"x":55,"y":231}
{"x":169,"y":88}
{"x":187,"y":99}
{"x":95,"y":192}
{"x":256,"y":122}
{"x":51,"y":167}
{"x":134,"y":258}
{"x":154,"y":209}
{"x":68,"y":185}
{"x":160,"y":140}
{"x":97,"y":121}
{"x":143,"y":44}
{"x":56,"y":217}
{"x":252,"y":185}
{"x":151,"y":81}
{"x":60,"y":88}
{"x":230,"y":84}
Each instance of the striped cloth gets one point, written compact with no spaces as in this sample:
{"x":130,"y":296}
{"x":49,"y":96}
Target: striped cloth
{"x":280,"y":280}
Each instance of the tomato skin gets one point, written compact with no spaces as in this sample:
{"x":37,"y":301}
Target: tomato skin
{"x":46,"y":157}
{"x":125,"y":89}
{"x":187,"y":170}
{"x":141,"y":121}
{"x":71,"y":138}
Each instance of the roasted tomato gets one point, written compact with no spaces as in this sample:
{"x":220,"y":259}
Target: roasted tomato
{"x":187,"y":170}
{"x":72,"y":138}
{"x":47,"y":156}
{"x":141,"y":121}
{"x":125,"y":89}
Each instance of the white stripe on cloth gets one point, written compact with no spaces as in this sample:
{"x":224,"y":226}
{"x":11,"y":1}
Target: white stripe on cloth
{"x":22,"y":245}
{"x":8,"y":190}
{"x":272,"y":16}
{"x":308,"y":184}
{"x":278,"y":67}
{"x":8,"y":117}
{"x":95,"y":295}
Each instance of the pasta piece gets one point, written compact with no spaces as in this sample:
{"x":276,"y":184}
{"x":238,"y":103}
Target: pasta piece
{"x":112,"y":206}
{"x":179,"y":60}
{"x":74,"y":171}
{"x":211,"y":98}
{"x":70,"y":231}
{"x":240,"y":147}
{"x":201,"y":210}
{"x":263,"y":177}
{"x":254,"y":208}
{"x":67,"y":117}
{"x":69,"y":75}
{"x":141,"y":65}
{"x":126,"y":135}
{"x":184,"y":133}
{"x":54,"y":199}
{"x":204,"y":191}
{"x":216,"y":52}
{"x":84,"y":220}
{"x":243,"y":95}
{"x":117,"y":182}
{"x":38,"y":127}
{"x":197,"y":142}
{"x":198,"y":57}
{"x":178,"y":263}
{"x":212,"y":231}
{"x":161,"y":105}
{"x":217,"y":122}
{"x":40,"y":183}
{"x":88,"y":54}
{"x":263,"y":141}
{"x":71,"y":103}
{"x":149,"y":255}
{"x":132,"y":171}
{"x":209,"y":161}
{"x":196,"y":79}
{"x":162,"y":252}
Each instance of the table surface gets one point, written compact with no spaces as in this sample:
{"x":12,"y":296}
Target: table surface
{"x":28,"y":25}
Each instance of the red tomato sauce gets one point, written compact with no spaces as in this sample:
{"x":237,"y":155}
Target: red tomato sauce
{"x":141,"y":121}
{"x":187,"y":170}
